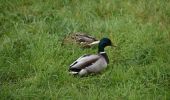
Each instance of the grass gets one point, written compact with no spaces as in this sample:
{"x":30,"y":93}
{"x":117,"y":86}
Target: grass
{"x":34,"y":64}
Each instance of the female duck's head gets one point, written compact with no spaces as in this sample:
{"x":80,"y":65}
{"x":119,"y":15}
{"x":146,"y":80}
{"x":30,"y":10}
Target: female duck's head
{"x":103,"y":43}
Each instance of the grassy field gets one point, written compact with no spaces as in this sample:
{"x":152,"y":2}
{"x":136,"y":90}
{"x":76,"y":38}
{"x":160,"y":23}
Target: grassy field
{"x":34,"y":64}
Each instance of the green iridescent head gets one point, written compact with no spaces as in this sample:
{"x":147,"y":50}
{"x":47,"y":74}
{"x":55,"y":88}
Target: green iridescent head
{"x":103,"y":43}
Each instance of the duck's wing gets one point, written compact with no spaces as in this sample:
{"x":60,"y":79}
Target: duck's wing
{"x":83,"y":61}
{"x":85,"y":38}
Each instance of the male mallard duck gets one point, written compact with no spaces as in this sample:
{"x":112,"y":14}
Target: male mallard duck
{"x":81,"y":38}
{"x":92,"y":63}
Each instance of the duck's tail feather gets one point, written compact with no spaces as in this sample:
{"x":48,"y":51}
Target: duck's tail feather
{"x":73,"y":73}
{"x":81,"y":72}
{"x":74,"y":69}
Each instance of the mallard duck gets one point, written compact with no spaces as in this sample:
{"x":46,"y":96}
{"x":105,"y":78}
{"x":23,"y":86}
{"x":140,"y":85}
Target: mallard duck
{"x":83,"y":39}
{"x":91,"y":63}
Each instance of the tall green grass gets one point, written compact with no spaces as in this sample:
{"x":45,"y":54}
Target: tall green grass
{"x":34,"y":64}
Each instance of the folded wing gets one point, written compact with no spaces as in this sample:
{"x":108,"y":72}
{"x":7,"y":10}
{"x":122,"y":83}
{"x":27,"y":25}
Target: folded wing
{"x":83,"y":61}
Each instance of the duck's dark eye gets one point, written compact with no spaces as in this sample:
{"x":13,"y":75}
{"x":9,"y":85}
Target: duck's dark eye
{"x":104,"y":44}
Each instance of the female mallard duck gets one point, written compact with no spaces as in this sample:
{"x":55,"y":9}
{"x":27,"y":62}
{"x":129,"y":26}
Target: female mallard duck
{"x":83,"y":39}
{"x":92,"y":63}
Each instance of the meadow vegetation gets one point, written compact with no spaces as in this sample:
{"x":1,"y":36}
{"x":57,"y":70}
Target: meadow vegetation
{"x":34,"y":64}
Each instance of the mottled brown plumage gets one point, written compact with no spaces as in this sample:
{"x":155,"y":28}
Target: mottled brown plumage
{"x":83,"y":39}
